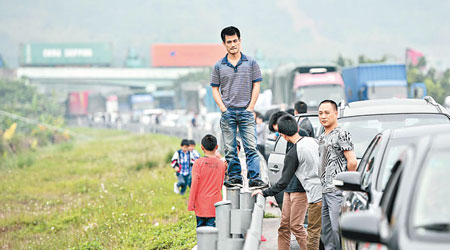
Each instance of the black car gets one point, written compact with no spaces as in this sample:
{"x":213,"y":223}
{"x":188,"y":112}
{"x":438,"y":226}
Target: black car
{"x":414,"y":210}
{"x":375,"y":168}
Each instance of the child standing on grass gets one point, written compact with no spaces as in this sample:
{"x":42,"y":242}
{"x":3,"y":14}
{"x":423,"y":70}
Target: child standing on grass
{"x":182,"y":161}
{"x":207,"y":179}
{"x":194,"y":152}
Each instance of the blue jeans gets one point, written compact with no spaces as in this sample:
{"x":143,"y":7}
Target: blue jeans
{"x":183,"y":181}
{"x":243,"y":119}
{"x":206,"y":221}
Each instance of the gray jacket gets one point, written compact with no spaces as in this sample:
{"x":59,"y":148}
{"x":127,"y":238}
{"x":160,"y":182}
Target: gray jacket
{"x":308,"y":168}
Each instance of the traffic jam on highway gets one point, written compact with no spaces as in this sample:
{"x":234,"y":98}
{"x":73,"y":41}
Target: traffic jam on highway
{"x":396,"y":199}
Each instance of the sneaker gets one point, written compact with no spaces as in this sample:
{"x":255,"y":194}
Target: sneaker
{"x":233,"y":183}
{"x":256,"y":184}
{"x":175,"y":188}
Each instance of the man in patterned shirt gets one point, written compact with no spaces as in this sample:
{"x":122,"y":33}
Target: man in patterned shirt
{"x":336,"y":154}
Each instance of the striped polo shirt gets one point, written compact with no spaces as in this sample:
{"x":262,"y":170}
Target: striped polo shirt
{"x":236,"y":83}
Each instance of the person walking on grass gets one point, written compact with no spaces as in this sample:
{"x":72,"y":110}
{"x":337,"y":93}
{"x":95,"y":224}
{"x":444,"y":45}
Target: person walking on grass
{"x":336,"y":154}
{"x":192,"y":149}
{"x":235,"y":82}
{"x":182,"y":161}
{"x":301,"y":163}
{"x":208,"y":175}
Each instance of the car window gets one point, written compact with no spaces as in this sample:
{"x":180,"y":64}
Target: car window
{"x":280,"y":146}
{"x":314,"y":119}
{"x":431,"y":206}
{"x":364,"y":128}
{"x":391,"y":155}
{"x":366,"y":155}
{"x":388,"y":198}
{"x":367,"y":167}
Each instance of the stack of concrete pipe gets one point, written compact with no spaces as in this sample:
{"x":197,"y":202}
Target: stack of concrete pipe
{"x":238,"y":223}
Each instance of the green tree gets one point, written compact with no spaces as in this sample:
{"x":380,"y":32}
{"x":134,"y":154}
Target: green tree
{"x":438,"y":84}
{"x":343,"y":62}
{"x":363,"y":59}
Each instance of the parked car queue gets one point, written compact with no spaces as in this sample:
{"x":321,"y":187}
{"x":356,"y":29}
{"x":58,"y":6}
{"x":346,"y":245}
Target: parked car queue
{"x":383,"y":121}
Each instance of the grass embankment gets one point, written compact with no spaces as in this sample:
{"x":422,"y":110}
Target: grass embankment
{"x":112,"y":192}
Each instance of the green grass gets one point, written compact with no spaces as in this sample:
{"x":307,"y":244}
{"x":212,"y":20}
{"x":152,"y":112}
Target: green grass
{"x":110,"y":190}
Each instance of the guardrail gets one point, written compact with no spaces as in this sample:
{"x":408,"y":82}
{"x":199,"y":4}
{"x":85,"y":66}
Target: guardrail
{"x":187,"y":132}
{"x":239,"y":223}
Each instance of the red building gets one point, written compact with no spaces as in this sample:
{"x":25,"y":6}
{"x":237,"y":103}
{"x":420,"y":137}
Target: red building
{"x":186,"y":55}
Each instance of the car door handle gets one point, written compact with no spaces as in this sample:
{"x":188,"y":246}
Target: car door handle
{"x":275,"y":168}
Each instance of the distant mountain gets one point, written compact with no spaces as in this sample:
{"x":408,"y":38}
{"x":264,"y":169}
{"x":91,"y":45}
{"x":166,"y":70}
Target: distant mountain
{"x":282,"y":30}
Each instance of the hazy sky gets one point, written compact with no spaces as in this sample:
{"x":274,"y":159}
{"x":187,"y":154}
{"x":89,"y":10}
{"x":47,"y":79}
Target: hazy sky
{"x":282,"y":30}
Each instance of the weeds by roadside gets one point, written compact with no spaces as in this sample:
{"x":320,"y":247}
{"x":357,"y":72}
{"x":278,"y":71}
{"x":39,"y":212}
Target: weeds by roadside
{"x":111,"y":192}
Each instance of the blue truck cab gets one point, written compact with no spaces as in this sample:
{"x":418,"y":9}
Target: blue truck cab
{"x":379,"y":81}
{"x":375,"y":81}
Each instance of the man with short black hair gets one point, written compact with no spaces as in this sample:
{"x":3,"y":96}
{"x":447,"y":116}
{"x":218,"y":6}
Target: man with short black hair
{"x":235,"y":82}
{"x":301,"y":163}
{"x":304,"y":123}
{"x":337,"y":154}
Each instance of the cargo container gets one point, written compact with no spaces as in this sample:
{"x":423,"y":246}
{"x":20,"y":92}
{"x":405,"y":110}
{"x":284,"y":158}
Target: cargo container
{"x":311,"y":84}
{"x":375,"y":81}
{"x":65,"y":54}
{"x":186,"y":55}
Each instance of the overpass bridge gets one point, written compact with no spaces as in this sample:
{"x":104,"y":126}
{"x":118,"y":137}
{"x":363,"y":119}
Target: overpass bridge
{"x":61,"y":80}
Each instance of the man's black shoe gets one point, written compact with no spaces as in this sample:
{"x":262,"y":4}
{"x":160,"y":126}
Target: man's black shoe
{"x":256,"y":184}
{"x":233,"y":183}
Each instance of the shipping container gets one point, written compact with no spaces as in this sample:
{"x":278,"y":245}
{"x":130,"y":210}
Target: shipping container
{"x":375,"y":81}
{"x":186,"y":55}
{"x":65,"y":54}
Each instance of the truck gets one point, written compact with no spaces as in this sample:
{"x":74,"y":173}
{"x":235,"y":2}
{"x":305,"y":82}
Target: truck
{"x":311,"y":84}
{"x":379,"y":81}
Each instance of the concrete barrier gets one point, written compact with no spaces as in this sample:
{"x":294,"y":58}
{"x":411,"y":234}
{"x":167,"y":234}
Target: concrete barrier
{"x":257,"y":220}
{"x":233,"y":196}
{"x":207,"y":238}
{"x":240,"y":221}
{"x":223,"y":219}
{"x":252,"y":241}
{"x":230,"y":244}
{"x":247,"y":201}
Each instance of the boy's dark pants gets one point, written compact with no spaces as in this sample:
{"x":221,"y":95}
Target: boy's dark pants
{"x":184,"y":181}
{"x":206,"y":221}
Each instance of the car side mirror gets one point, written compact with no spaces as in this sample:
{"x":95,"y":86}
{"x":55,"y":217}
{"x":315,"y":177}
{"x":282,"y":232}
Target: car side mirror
{"x":361,"y":226}
{"x":348,"y":181}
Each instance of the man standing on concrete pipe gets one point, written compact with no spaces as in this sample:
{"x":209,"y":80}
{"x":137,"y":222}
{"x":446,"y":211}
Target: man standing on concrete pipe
{"x":235,"y":82}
